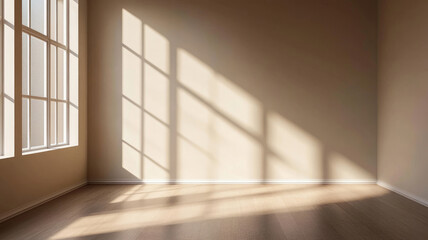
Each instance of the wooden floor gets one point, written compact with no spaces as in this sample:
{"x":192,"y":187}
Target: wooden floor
{"x":170,"y":212}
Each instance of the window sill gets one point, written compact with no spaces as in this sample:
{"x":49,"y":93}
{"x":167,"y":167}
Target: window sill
{"x":48,"y":149}
{"x":6,"y":157}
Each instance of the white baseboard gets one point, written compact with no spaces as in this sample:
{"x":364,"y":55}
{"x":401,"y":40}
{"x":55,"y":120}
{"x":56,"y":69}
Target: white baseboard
{"x":12,"y":213}
{"x":403,"y":193}
{"x":203,"y":181}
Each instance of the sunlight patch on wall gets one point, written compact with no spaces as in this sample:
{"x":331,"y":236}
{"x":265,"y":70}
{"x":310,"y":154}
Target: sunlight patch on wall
{"x":156,"y":105}
{"x":211,"y":146}
{"x":195,"y":140}
{"x":297,"y":148}
{"x":219,"y":121}
{"x":131,"y":124}
{"x":237,"y":104}
{"x":341,"y":167}
{"x":132,"y":83}
{"x":131,"y":76}
{"x":237,"y":154}
{"x":156,"y":93}
{"x":219,"y":92}
{"x":195,"y":75}
{"x":131,"y":159}
{"x":156,"y":148}
{"x":145,"y":101}
{"x":156,"y":49}
{"x":194,"y":120}
{"x":223,"y":132}
{"x":279,"y":168}
{"x":131,"y":137}
{"x":132,"y":32}
{"x":154,"y":171}
{"x":195,"y":163}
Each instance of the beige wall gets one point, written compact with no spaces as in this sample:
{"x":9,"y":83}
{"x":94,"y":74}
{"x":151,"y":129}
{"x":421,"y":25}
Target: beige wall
{"x":232,"y":90}
{"x":27,"y":179}
{"x":403,"y":96}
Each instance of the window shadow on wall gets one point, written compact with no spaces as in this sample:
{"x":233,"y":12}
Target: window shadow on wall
{"x":184,"y":120}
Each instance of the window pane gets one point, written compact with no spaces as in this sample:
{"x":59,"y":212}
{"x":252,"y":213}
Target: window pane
{"x":9,"y":62}
{"x":74,"y":26}
{"x":74,"y":125}
{"x":1,"y":97}
{"x":62,"y":123}
{"x":25,"y":64}
{"x":26,"y":12}
{"x":1,"y":127}
{"x":62,"y":22}
{"x":9,"y":11}
{"x":53,"y":71}
{"x":38,"y":15}
{"x":38,"y":123}
{"x":74,"y":80}
{"x":53,"y":123}
{"x":25,"y":123}
{"x":62,"y":74}
{"x":38,"y":67}
{"x":53,"y":20}
{"x":9,"y":127}
{"x":7,"y":79}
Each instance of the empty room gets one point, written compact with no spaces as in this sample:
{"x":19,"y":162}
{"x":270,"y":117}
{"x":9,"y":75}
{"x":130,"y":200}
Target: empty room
{"x":214,"y":119}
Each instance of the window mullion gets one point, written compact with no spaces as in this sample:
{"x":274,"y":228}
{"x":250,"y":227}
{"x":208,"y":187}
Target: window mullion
{"x":67,"y":105}
{"x":58,"y":44}
{"x":2,"y":141}
{"x":43,"y":37}
{"x":56,"y":93}
{"x":34,"y":97}
{"x":48,"y":77}
{"x":29,"y":15}
{"x":35,"y":33}
{"x":28,"y":98}
{"x":56,"y":20}
{"x":29,"y":86}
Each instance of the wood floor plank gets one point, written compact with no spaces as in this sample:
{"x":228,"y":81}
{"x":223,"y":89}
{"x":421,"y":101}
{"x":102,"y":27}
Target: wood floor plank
{"x":193,"y":212}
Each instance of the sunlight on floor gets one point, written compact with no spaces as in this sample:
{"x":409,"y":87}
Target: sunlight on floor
{"x":159,"y":205}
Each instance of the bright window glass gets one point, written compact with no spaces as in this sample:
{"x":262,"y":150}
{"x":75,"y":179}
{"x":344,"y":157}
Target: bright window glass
{"x":49,"y":74}
{"x":7,"y":78}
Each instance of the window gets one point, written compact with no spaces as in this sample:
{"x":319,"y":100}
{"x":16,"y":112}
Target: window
{"x":7,"y":78}
{"x":49,"y":74}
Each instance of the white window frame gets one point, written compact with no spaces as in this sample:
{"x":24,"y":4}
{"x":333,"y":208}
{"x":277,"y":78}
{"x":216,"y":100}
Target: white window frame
{"x":48,"y":100}
{"x":2,"y":21}
{"x":3,"y":95}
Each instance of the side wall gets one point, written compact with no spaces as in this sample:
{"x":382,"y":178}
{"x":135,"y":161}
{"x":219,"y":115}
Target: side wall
{"x":26,"y":180}
{"x":403,"y":96}
{"x":232,"y":90}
